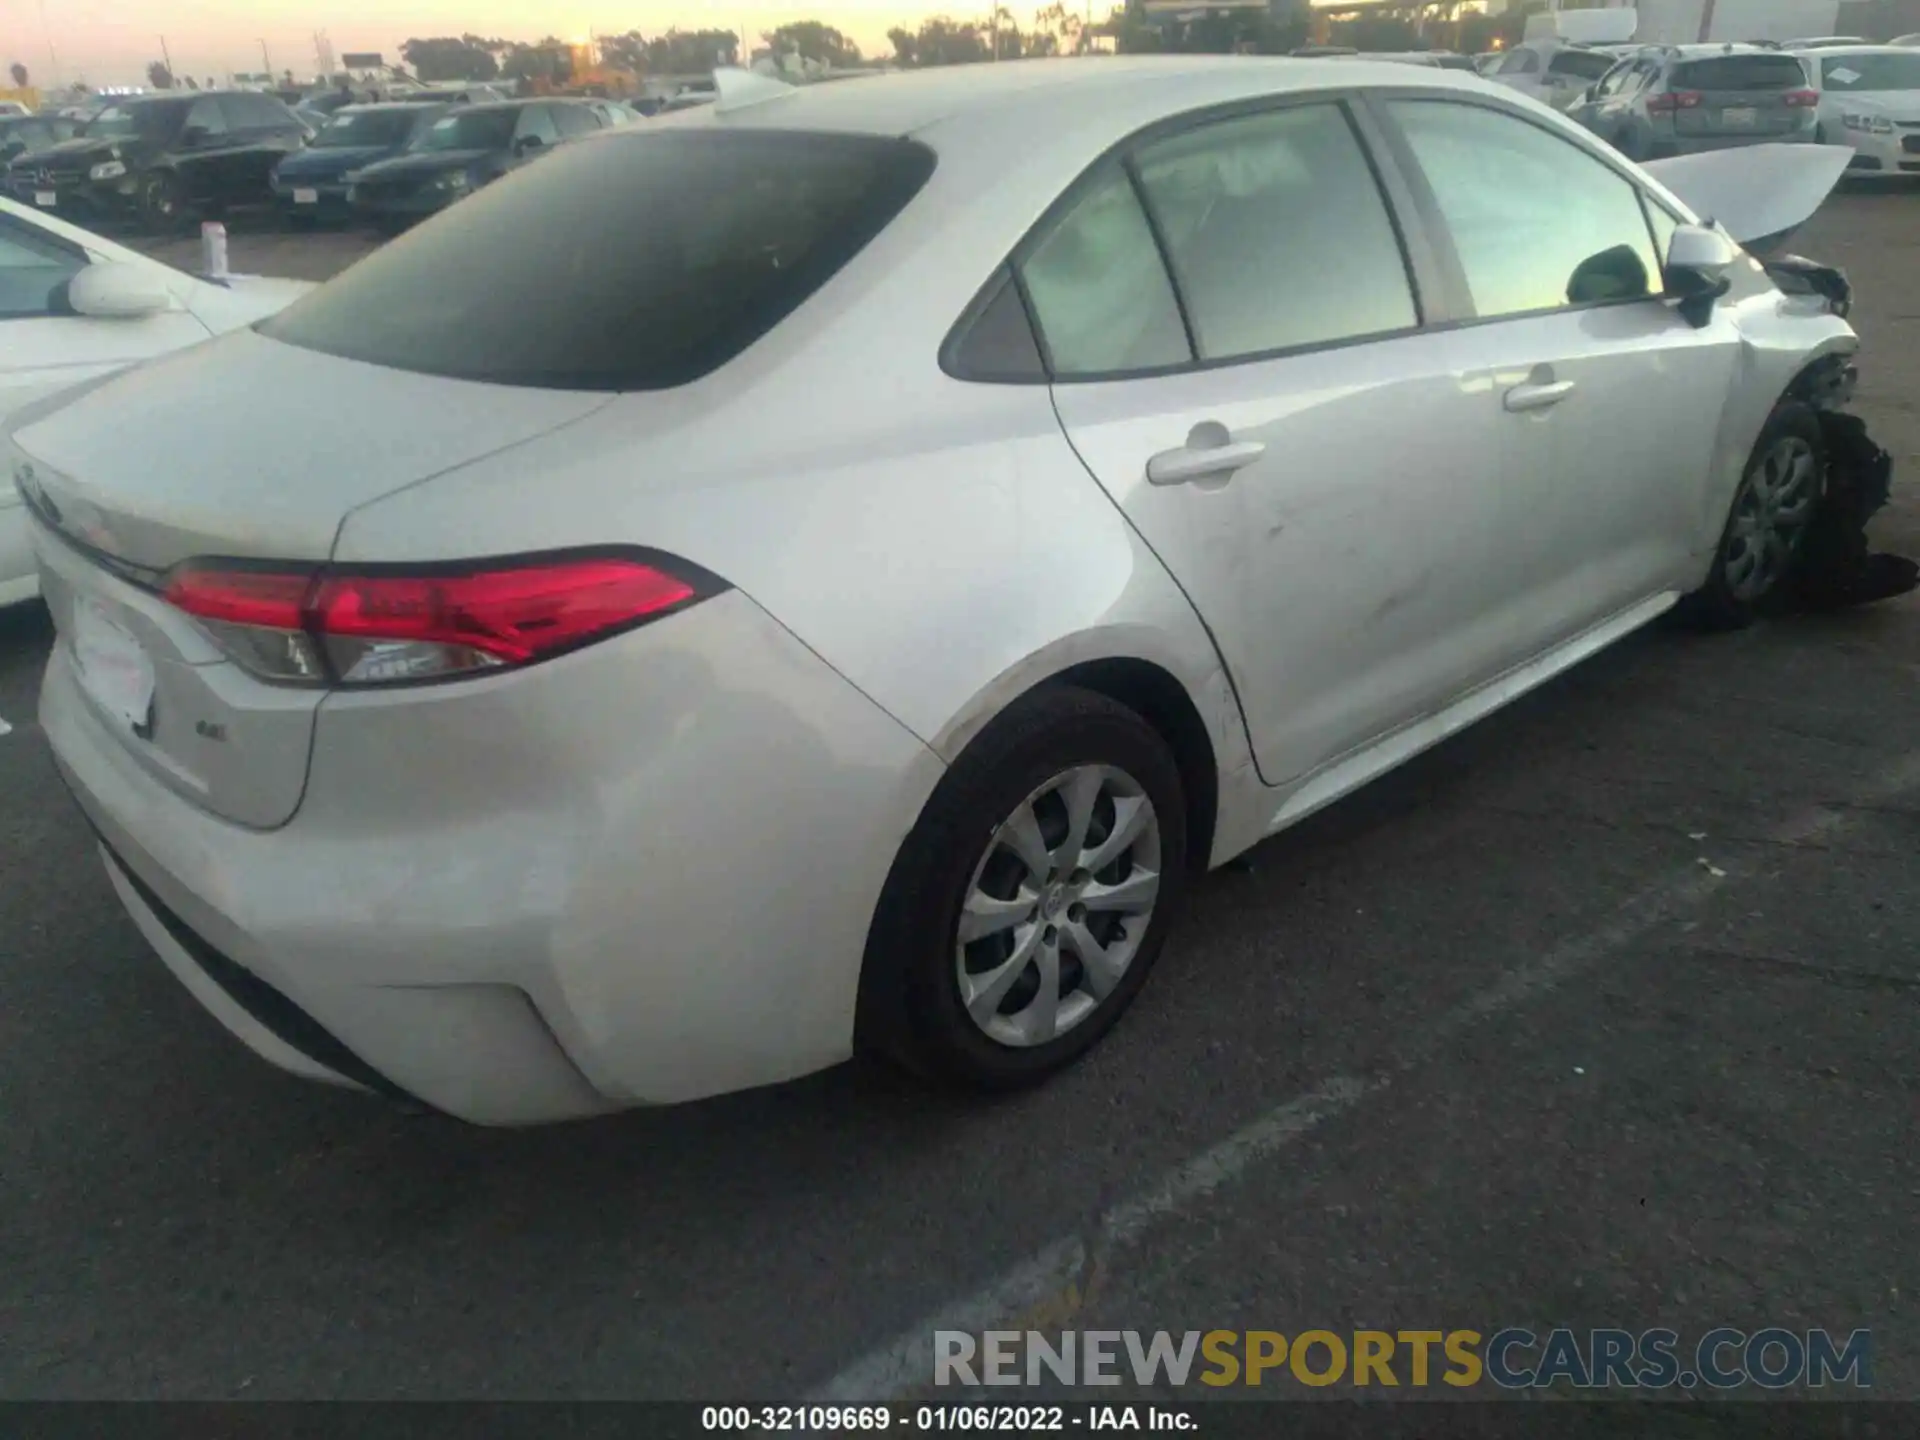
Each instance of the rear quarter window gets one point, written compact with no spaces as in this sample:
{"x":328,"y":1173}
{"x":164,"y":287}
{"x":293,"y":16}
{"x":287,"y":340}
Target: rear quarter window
{"x":640,"y":263}
{"x":1741,"y":72}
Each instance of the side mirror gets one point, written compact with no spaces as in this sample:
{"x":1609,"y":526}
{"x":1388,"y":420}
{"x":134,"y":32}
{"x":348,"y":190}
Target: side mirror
{"x":116,"y":290}
{"x":527,"y":143}
{"x":1697,"y":263}
{"x":194,"y":135}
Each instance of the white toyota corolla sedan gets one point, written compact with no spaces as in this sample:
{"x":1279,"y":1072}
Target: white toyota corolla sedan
{"x":74,"y":306}
{"x":823,"y":571}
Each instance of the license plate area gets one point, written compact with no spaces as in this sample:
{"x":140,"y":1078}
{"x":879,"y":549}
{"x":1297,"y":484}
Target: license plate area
{"x":306,"y":197}
{"x":1739,"y":117}
{"x":47,"y":199}
{"x":113,"y":667}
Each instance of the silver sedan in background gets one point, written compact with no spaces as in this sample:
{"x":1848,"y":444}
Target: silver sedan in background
{"x":825,"y":570}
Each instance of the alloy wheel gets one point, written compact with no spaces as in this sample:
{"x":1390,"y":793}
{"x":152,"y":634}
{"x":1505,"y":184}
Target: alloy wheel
{"x":1771,"y":518}
{"x":1058,"y":906}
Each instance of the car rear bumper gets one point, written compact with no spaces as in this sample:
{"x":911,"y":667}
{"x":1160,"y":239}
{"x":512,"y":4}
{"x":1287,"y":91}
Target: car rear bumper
{"x":640,"y":874}
{"x":417,"y":206}
{"x":1896,"y":154}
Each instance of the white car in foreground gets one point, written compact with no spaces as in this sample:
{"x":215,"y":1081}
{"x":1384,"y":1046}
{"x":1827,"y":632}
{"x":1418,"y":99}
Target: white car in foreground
{"x":826,"y":569}
{"x":1870,"y":99}
{"x":74,"y":307}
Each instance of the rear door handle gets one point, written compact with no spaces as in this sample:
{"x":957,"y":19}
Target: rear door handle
{"x":1537,"y":391}
{"x":1210,"y":452}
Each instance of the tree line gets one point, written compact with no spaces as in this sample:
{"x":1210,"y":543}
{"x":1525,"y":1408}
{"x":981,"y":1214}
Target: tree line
{"x":1059,"y":28}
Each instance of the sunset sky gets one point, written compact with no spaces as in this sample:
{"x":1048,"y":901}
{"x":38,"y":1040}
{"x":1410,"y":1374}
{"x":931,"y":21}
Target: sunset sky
{"x":109,"y":42}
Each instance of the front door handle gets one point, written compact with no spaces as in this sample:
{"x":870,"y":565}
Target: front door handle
{"x":1211,"y":452}
{"x":1537,"y":391}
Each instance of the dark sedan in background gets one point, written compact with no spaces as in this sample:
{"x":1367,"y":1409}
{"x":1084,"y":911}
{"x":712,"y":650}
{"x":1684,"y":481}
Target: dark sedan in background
{"x":460,"y":152}
{"x":162,"y":160}
{"x":311,"y":186}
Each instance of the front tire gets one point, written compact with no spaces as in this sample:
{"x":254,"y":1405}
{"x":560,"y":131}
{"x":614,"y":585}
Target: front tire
{"x":1029,"y":902}
{"x":163,"y":205}
{"x":1780,"y":490}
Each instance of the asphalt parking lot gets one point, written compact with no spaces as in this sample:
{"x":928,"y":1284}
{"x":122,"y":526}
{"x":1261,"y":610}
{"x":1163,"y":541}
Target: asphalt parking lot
{"x":1605,"y":1014}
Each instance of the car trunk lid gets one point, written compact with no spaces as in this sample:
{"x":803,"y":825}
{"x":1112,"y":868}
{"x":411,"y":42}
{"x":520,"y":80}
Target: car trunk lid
{"x":123,"y":487}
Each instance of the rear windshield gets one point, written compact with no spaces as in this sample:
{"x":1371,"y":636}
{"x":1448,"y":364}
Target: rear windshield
{"x":637,"y":261}
{"x":1872,"y":72}
{"x":367,"y":127}
{"x":1740,"y":72}
{"x":1586,"y":65}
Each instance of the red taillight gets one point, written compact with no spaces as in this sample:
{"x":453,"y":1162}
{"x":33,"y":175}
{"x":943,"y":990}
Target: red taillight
{"x":386,"y":624}
{"x":1801,"y":99}
{"x":1674,"y":100}
{"x":275,"y":599}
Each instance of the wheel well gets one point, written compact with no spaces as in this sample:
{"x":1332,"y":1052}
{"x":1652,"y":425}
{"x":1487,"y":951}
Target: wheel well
{"x":1162,"y":701}
{"x":1827,"y":383}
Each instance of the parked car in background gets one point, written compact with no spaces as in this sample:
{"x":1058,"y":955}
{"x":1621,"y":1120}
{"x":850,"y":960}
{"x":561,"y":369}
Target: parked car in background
{"x":1687,"y":98}
{"x":13,"y":107}
{"x":162,"y":161}
{"x":1554,"y":72}
{"x":75,"y":306}
{"x":310,"y":185}
{"x":612,"y":113}
{"x":451,"y":95}
{"x":463,"y":150}
{"x":1870,"y":99}
{"x":1437,"y":59}
{"x":30,"y":134}
{"x":582,"y":588}
{"x":1913,"y":39}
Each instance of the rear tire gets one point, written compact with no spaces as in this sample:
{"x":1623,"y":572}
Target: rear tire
{"x":1779,"y":493}
{"x":997,"y":848}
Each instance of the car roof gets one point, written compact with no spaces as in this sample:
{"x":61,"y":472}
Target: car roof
{"x":1840,"y":52}
{"x":1124,"y":90}
{"x":380,"y":107}
{"x":1727,"y":47}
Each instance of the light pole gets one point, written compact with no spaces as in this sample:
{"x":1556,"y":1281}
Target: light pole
{"x":47,"y":30}
{"x":265,"y":60}
{"x":165,"y":58}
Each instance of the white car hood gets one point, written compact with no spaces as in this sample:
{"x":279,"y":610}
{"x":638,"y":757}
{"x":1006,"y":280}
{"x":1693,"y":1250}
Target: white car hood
{"x":1754,"y":192}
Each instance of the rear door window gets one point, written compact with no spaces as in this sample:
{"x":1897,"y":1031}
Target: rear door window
{"x":640,"y":263}
{"x":536,"y":122}
{"x":1740,"y":72}
{"x":576,"y":120}
{"x":205,"y":121}
{"x":1277,"y":234}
